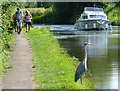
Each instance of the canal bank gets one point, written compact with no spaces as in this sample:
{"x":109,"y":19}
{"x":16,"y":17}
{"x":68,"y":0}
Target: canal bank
{"x":102,"y":55}
{"x":54,"y":68}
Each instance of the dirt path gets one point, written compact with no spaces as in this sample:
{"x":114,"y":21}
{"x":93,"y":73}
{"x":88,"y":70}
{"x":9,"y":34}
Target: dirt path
{"x":20,"y":76}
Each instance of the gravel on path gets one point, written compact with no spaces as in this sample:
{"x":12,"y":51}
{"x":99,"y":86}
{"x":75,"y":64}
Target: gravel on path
{"x":21,"y":75}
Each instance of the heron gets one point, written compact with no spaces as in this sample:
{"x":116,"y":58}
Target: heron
{"x":82,"y":67}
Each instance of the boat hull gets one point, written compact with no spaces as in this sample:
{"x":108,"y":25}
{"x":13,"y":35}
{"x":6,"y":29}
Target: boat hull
{"x":96,"y":24}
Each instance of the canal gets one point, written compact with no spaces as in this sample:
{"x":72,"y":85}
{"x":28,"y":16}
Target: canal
{"x":102,"y":54}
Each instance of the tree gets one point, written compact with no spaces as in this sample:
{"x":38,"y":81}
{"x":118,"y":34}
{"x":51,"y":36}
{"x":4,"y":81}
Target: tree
{"x":68,"y":12}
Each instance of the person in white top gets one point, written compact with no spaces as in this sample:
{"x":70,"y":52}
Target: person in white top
{"x":28,"y":18}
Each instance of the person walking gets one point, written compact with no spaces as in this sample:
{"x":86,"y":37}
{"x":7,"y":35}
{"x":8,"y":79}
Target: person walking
{"x":19,"y":20}
{"x":28,"y":18}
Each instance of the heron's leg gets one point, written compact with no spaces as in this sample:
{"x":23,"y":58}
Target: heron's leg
{"x":81,"y":80}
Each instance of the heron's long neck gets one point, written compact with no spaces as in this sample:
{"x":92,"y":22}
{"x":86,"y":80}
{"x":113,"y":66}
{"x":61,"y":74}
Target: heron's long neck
{"x":85,"y":58}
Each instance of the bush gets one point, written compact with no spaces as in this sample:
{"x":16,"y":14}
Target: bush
{"x":6,"y":32}
{"x":40,"y":15}
{"x":113,"y":16}
{"x":112,"y":12}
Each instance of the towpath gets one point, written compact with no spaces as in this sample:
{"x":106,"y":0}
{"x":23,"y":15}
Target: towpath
{"x":21,"y":75}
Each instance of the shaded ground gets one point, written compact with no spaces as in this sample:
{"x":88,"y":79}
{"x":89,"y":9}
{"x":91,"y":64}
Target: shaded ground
{"x":20,"y":76}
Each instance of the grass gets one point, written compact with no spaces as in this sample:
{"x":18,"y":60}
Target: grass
{"x":54,"y":69}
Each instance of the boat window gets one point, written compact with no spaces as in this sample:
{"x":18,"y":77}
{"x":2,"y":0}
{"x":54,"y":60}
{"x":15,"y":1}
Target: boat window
{"x":85,"y":17}
{"x":98,"y":16}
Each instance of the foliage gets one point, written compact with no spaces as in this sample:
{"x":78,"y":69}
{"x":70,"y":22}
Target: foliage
{"x":54,"y":69}
{"x":40,"y":15}
{"x":41,"y":4}
{"x":69,"y":12}
{"x":60,"y":12}
{"x":26,"y":4}
{"x":30,"y":4}
{"x":117,"y":4}
{"x":115,"y":16}
{"x":44,"y":4}
{"x":6,"y":32}
{"x":44,"y":18}
{"x":112,"y":10}
{"x":48,"y":4}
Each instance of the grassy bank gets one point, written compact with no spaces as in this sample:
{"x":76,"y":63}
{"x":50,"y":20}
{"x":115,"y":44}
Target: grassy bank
{"x":54,"y":69}
{"x":116,"y":30}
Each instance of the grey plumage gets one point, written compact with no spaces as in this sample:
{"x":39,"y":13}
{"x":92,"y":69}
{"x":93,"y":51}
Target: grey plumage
{"x":80,"y":71}
{"x":82,"y":67}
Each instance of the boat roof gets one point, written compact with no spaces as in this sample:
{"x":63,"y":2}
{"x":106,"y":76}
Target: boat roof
{"x":93,"y":9}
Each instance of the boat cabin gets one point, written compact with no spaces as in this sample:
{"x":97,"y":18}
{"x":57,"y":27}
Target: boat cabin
{"x":92,"y":18}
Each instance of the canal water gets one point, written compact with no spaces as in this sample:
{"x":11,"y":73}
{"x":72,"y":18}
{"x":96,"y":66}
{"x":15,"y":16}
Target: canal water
{"x":103,"y":56}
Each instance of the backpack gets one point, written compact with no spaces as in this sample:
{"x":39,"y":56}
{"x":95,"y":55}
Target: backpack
{"x":18,"y":16}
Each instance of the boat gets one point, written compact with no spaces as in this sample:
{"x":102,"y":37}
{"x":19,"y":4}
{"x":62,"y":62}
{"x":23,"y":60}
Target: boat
{"x":92,"y":18}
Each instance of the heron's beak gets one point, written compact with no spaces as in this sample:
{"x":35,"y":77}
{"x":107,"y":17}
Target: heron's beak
{"x":90,"y":43}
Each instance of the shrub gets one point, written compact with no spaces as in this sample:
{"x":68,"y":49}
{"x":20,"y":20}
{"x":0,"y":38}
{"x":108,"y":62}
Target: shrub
{"x":6,"y":32}
{"x":40,"y":15}
{"x":113,"y":16}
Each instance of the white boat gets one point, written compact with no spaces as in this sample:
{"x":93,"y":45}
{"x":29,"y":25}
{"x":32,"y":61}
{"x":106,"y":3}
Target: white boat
{"x":92,"y":18}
